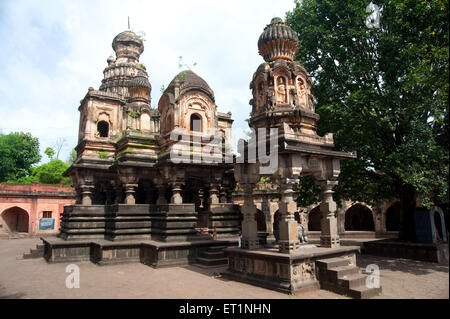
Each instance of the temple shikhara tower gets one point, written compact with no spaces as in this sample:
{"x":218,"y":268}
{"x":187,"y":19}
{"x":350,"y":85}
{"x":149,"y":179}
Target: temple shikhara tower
{"x":138,"y":200}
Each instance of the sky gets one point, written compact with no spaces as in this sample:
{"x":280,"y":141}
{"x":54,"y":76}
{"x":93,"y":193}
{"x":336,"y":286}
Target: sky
{"x":51,"y":52}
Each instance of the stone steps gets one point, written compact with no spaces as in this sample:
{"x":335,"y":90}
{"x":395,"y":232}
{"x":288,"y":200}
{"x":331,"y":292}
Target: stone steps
{"x":38,"y":252}
{"x":212,"y":256}
{"x":340,"y":276}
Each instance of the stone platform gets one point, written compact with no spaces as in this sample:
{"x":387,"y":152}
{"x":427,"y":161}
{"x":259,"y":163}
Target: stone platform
{"x":437,"y":253}
{"x":153,"y":253}
{"x":299,"y":271}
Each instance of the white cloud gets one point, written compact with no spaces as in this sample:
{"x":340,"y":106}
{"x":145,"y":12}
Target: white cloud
{"x":52,"y":51}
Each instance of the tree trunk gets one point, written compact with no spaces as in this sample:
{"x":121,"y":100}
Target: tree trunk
{"x":408,"y":197}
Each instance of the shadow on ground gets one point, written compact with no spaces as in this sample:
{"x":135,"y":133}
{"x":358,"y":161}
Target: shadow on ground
{"x":4,"y":295}
{"x":414,"y":267}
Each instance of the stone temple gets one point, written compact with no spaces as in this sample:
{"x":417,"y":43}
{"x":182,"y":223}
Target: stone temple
{"x":138,"y":200}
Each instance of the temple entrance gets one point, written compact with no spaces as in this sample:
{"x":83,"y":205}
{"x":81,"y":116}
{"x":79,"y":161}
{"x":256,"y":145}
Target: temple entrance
{"x":359,"y":217}
{"x":393,"y":217}
{"x":314,"y":218}
{"x":260,"y":221}
{"x":15,"y":219}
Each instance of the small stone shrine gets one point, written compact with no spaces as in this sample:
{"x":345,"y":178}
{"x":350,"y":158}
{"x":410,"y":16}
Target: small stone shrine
{"x":283,"y":117}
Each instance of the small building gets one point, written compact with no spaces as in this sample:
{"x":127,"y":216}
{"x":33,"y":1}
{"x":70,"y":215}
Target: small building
{"x":33,"y":208}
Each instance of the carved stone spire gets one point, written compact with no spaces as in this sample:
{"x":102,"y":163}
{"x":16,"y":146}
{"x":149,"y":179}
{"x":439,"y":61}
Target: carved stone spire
{"x":278,"y":41}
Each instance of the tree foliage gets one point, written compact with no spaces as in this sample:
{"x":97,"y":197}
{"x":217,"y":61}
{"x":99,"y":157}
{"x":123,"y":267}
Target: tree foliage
{"x":308,"y":192}
{"x":48,"y":173}
{"x":383,"y":92}
{"x":18,"y":152}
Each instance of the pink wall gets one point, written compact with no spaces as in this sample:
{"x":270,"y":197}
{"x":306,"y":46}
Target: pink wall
{"x":35,"y":199}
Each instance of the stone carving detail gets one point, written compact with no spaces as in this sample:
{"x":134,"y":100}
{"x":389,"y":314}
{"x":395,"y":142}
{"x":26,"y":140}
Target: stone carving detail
{"x":261,"y":95}
{"x":281,"y":90}
{"x":307,"y":270}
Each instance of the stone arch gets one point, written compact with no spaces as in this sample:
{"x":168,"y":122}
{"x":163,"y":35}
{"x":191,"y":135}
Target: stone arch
{"x":260,"y":221}
{"x":168,"y":123}
{"x":438,"y":222}
{"x":16,"y":219}
{"x":194,"y":120}
{"x":392,"y":217}
{"x":359,"y":217}
{"x":102,"y":129}
{"x":314,"y":218}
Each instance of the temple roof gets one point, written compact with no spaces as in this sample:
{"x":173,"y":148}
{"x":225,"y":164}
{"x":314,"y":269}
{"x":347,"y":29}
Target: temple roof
{"x":140,"y":80}
{"x":189,"y":80}
{"x":127,"y":36}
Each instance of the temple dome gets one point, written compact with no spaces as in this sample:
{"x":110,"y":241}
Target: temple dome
{"x":189,"y":80}
{"x":278,"y":41}
{"x":128,"y":44}
{"x":140,"y":81}
{"x":127,"y":37}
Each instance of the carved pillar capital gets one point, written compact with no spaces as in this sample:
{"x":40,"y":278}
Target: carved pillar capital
{"x":86,"y":194}
{"x":176,"y":193}
{"x":130,"y":190}
{"x":213,"y":194}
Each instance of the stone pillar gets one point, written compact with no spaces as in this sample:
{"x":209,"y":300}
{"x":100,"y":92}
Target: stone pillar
{"x":249,"y":225}
{"x":288,"y":225}
{"x":79,"y":198}
{"x":380,"y":225}
{"x":86,"y":194}
{"x":329,"y":236}
{"x":161,"y":195}
{"x":130,"y":190}
{"x":176,"y":194}
{"x":213,"y":195}
{"x":265,"y":208}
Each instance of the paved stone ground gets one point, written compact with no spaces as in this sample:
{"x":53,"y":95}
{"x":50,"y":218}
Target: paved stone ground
{"x":35,"y":278}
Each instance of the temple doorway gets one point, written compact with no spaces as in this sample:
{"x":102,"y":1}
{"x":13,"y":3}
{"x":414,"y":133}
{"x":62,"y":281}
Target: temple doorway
{"x":260,"y":221}
{"x":393,"y":217}
{"x":15,"y":219}
{"x":314,"y":218}
{"x":359,"y":217}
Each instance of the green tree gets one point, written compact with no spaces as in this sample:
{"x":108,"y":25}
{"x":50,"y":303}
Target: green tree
{"x":51,"y":172}
{"x":48,"y":173}
{"x":383,"y":91}
{"x":308,"y":192}
{"x":18,"y":152}
{"x":50,"y":152}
